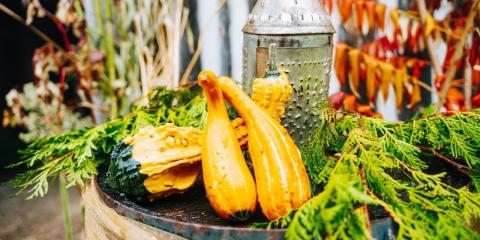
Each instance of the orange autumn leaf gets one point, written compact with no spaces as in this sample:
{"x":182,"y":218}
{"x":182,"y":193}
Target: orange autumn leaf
{"x":370,"y":14}
{"x":380,"y":10}
{"x":395,"y":19}
{"x":386,"y":70}
{"x":354,"y":59}
{"x":365,"y":110}
{"x":438,"y":82}
{"x":429,"y":25}
{"x":359,"y":12}
{"x":328,"y":5}
{"x":371,"y":66}
{"x":340,"y":62}
{"x":476,"y":73}
{"x":378,"y":115}
{"x":350,"y":103}
{"x":399,"y":77}
{"x":455,"y":96}
{"x":345,"y":9}
{"x":415,"y":95}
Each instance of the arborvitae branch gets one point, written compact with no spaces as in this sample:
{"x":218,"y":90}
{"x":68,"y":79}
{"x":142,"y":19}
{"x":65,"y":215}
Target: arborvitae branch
{"x":461,"y":168}
{"x":387,"y":154}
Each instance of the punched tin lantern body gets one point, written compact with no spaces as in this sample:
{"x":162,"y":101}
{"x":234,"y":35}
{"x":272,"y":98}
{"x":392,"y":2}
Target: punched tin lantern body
{"x":303,"y":33}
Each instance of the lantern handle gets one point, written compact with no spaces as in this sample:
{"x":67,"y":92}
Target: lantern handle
{"x":272,"y":59}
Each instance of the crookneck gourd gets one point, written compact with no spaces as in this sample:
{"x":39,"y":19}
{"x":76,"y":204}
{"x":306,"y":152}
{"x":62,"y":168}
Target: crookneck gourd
{"x":156,"y":162}
{"x":228,"y":182}
{"x":271,"y":93}
{"x":281,"y":178}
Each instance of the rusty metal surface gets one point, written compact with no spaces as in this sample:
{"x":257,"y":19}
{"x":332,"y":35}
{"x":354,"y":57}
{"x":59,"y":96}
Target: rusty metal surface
{"x":189,"y":215}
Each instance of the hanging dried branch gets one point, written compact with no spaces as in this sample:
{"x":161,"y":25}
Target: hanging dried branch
{"x":429,"y":41}
{"x":458,"y":53}
{"x":196,"y":54}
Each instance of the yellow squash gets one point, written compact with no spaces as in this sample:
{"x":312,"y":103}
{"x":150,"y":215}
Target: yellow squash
{"x":273,"y":91}
{"x":281,"y":178}
{"x":228,"y":182}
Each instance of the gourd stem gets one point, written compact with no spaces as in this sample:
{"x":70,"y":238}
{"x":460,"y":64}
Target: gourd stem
{"x":272,"y":59}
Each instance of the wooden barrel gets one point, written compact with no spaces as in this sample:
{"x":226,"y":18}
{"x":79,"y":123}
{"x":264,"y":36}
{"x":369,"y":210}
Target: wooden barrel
{"x":103,"y":223}
{"x":109,"y":215}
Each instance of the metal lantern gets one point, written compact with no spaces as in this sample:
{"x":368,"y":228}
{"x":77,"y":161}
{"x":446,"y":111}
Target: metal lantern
{"x":303,"y":34}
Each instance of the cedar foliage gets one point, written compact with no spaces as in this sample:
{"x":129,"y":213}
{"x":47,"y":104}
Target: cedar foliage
{"x":381,"y":163}
{"x":78,"y":154}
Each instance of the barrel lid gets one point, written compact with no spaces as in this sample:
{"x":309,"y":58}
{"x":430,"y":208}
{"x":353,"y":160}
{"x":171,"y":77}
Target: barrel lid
{"x":288,"y":17}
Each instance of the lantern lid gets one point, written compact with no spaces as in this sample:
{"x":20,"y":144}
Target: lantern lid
{"x":288,"y":17}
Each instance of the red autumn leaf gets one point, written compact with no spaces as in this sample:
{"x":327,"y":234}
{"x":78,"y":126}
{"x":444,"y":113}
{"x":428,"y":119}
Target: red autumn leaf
{"x":439,"y":82}
{"x":386,"y":43}
{"x":399,"y":62}
{"x":340,"y":62}
{"x":450,"y":113}
{"x":397,"y":42}
{"x":350,"y":103}
{"x":476,"y":101}
{"x":474,"y":50}
{"x":448,"y":56}
{"x":410,"y":37}
{"x":454,"y":107}
{"x":336,"y":99}
{"x":417,"y":37}
{"x":417,"y":68}
{"x":354,"y":59}
{"x":380,"y":10}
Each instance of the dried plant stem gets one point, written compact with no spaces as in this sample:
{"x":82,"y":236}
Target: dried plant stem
{"x":364,"y":206}
{"x":140,"y":56}
{"x":196,"y":54}
{"x":66,"y":207}
{"x":176,"y":37}
{"x":35,"y":30}
{"x":461,"y":168}
{"x":424,"y":85}
{"x":457,"y":54}
{"x":467,"y":86}
{"x":437,"y":68}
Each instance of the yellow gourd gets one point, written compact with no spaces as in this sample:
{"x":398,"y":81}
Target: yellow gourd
{"x":281,"y":178}
{"x":273,"y":91}
{"x":228,"y":182}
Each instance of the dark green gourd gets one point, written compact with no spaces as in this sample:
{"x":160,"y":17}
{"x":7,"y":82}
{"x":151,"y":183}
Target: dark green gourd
{"x":124,"y":175}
